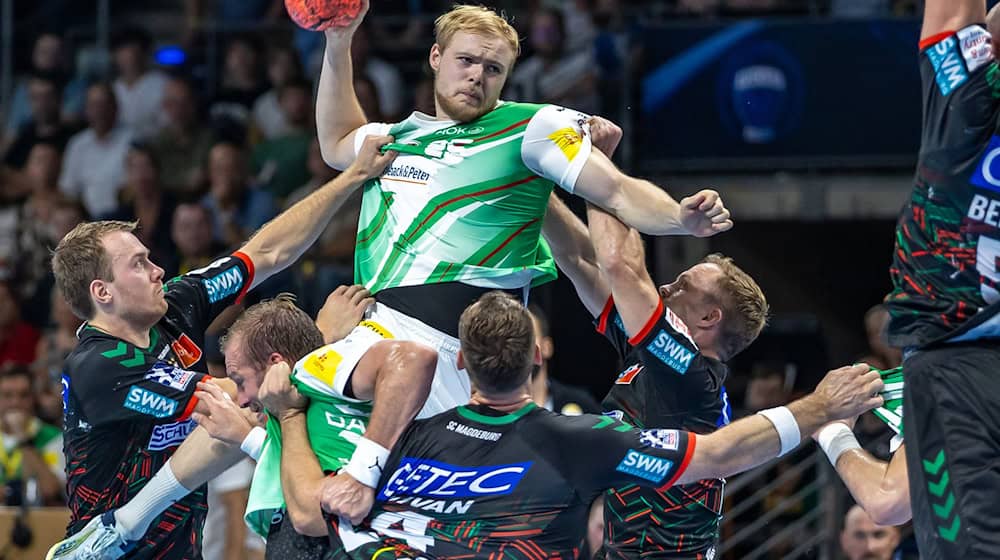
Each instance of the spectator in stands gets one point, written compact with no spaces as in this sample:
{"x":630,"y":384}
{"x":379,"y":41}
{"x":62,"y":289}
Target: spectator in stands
{"x":386,"y":77}
{"x":555,"y":74}
{"x":142,"y":199}
{"x":183,"y":143}
{"x":367,"y":93}
{"x":94,"y":166}
{"x":48,"y":57}
{"x":138,"y":87}
{"x":45,"y":98}
{"x":862,"y":539}
{"x":548,"y":392}
{"x":330,"y":261}
{"x":240,"y":86}
{"x":283,"y":67}
{"x":423,"y":96}
{"x":280,"y":163}
{"x":18,"y":339}
{"x":192,"y":233}
{"x":237,"y":208}
{"x":226,"y":536}
{"x":56,"y":341}
{"x":31,"y":454}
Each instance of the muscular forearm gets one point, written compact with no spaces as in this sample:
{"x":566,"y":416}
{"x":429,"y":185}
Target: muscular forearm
{"x":618,"y":248}
{"x":283,"y":240}
{"x":647,"y":208}
{"x":402,"y":384}
{"x":574,"y":254}
{"x":301,"y":477}
{"x":201,"y":458}
{"x":338,"y":112}
{"x":881,"y":488}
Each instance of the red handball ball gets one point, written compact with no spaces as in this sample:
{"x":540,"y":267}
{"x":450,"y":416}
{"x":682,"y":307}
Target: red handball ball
{"x":318,"y":15}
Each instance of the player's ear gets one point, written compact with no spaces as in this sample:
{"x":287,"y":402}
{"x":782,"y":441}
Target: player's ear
{"x":711,"y":318}
{"x":460,"y":360}
{"x":99,"y":292}
{"x":435,"y":57}
{"x":537,"y":360}
{"x":275,"y":358}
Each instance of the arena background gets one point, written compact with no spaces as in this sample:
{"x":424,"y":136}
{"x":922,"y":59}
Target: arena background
{"x":804,"y":114}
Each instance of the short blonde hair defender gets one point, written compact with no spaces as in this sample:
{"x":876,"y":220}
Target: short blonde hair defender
{"x":478,"y":20}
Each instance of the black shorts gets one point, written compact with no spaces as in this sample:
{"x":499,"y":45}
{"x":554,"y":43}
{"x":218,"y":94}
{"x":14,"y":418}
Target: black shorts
{"x":283,"y":543}
{"x":952,"y":429}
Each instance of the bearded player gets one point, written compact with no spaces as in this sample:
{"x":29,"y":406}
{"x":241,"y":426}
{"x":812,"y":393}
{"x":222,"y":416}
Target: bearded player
{"x":460,"y":212}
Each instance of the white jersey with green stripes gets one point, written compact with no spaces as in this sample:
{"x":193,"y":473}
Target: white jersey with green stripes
{"x":465,"y":201}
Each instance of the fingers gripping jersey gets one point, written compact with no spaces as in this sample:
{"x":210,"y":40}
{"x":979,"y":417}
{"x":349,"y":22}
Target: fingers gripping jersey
{"x":891,"y":411}
{"x":475,"y":483}
{"x":945,"y":266}
{"x":465,"y":201}
{"x":666,"y":383}
{"x":127,"y":408}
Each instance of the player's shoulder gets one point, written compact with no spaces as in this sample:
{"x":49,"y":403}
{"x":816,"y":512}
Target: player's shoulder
{"x":95,"y":350}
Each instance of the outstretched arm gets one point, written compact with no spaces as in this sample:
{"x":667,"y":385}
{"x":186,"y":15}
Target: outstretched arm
{"x":574,"y":254}
{"x":283,"y":240}
{"x":881,"y":488}
{"x":338,"y":112}
{"x":950,"y":15}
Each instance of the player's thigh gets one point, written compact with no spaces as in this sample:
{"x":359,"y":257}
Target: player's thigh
{"x":952,"y":430}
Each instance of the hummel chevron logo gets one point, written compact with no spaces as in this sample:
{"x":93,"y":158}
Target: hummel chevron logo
{"x":947,"y":526}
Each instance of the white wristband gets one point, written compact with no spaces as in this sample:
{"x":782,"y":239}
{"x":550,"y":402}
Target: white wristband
{"x":788,"y":428}
{"x":367,"y":462}
{"x":836,"y":439}
{"x":253,"y":444}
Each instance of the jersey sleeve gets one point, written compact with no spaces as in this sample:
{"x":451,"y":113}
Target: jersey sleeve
{"x":111,"y":392}
{"x":370,"y":129}
{"x":960,"y":85}
{"x":204,"y":293}
{"x":328,"y":369}
{"x":654,"y":457}
{"x":609,"y":323}
{"x":556,"y":145}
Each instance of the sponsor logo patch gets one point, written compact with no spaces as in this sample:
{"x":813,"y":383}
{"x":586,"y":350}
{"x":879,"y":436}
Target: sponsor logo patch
{"x":322,"y":365}
{"x":661,"y":439}
{"x":166,"y":436}
{"x":224,"y":284}
{"x":975,"y":44}
{"x":376,"y":328}
{"x":433,"y":479}
{"x":149,"y":403}
{"x":671,"y":352}
{"x":678,"y":325}
{"x":987,"y":173}
{"x":170,"y":376}
{"x":653,"y":469}
{"x":65,"y":393}
{"x":568,"y":140}
{"x":186,"y":350}
{"x":626,"y":377}
{"x":949,"y":70}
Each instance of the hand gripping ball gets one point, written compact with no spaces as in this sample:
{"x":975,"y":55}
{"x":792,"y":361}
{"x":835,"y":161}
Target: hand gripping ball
{"x":318,"y":15}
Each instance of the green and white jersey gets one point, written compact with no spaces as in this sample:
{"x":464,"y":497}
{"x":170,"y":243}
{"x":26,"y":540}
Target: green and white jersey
{"x":891,"y":411}
{"x":465,"y":201}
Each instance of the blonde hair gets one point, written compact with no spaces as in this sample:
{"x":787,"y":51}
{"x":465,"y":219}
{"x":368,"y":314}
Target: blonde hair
{"x":478,"y":20}
{"x":743,"y":303}
{"x":80,"y":258}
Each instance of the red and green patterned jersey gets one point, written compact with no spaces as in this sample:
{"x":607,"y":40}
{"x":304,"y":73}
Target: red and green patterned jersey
{"x":464,"y":202}
{"x":474,"y":482}
{"x":666,"y":383}
{"x":945,"y":264}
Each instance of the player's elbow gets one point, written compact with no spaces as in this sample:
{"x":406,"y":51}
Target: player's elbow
{"x":421,"y":358}
{"x":308,"y":523}
{"x":890,"y":507}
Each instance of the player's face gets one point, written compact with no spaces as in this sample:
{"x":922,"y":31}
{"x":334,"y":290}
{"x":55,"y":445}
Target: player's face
{"x":469,"y":75}
{"x":862,"y":539}
{"x":246,"y":377}
{"x":137,"y":288}
{"x":690,"y":295}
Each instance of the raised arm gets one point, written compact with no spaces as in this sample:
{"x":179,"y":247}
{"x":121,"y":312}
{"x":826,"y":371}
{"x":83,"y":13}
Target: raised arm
{"x":950,"y":15}
{"x":338,"y":112}
{"x":285,"y":238}
{"x":574,"y":254}
{"x":881,"y":488}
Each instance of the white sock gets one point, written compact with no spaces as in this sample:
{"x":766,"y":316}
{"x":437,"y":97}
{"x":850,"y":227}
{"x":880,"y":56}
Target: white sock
{"x":159,"y":493}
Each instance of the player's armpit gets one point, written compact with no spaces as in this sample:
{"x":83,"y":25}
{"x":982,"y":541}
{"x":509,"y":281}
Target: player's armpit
{"x":941,"y":16}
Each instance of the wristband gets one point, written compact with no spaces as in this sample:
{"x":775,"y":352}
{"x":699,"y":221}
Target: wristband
{"x":367,"y":462}
{"x":788,"y":428}
{"x":253,"y":444}
{"x":835,"y":440}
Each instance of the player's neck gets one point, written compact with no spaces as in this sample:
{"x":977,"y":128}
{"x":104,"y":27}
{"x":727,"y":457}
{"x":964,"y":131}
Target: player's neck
{"x":118,"y":327}
{"x":540,"y":386}
{"x":503,"y":402}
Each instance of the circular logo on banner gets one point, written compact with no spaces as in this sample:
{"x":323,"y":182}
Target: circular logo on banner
{"x":760,"y":92}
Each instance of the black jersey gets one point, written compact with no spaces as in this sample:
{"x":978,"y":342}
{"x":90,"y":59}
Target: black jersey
{"x":667,"y":383}
{"x":128,"y":408}
{"x":476,"y":483}
{"x":945,"y":264}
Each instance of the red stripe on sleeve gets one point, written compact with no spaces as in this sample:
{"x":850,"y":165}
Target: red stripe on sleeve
{"x":193,"y":402}
{"x":249,"y":264}
{"x":934,"y":39}
{"x":602,"y":322}
{"x":649,"y":325}
{"x":688,"y":454}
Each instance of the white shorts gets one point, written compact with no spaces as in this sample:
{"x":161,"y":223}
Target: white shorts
{"x":331,"y":367}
